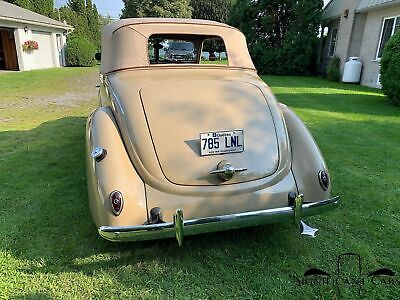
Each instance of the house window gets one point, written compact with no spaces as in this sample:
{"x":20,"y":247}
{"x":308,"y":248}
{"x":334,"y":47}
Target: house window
{"x":332,"y":44}
{"x":389,"y":27}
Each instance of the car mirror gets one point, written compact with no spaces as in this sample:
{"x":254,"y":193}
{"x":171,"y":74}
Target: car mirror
{"x":97,"y":56}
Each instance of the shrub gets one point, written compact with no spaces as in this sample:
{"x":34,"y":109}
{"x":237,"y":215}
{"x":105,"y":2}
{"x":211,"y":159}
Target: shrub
{"x":282,"y":36}
{"x":80,"y":52}
{"x":333,"y":72}
{"x":390,"y":69}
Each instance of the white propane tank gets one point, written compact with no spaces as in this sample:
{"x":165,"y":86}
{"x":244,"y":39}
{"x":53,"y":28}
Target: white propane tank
{"x":352,"y":70}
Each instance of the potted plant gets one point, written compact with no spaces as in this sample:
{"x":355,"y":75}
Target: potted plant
{"x":30,"y":45}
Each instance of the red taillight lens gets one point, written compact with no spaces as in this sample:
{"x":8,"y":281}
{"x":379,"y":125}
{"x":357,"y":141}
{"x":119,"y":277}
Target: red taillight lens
{"x":117,"y":202}
{"x":323,"y":179}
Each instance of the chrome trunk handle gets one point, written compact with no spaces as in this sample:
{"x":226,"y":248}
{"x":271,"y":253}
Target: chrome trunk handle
{"x":226,"y":171}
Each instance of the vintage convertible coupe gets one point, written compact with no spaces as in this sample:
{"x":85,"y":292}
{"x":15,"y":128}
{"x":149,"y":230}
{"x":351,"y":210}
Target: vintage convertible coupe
{"x":181,"y":147}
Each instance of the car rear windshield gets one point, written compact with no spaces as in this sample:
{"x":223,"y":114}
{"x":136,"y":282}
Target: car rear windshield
{"x":187,"y":49}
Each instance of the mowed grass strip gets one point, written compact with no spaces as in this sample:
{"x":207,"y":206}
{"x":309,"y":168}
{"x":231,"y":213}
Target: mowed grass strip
{"x":49,"y":247}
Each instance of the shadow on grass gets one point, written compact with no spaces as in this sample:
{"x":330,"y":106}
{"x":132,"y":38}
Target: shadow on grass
{"x":45,"y":214}
{"x":45,"y":223}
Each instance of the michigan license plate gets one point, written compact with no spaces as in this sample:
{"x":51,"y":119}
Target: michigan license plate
{"x":222,"y":142}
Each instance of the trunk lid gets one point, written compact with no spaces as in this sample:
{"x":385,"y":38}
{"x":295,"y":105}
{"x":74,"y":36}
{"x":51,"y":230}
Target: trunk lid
{"x":178,"y":111}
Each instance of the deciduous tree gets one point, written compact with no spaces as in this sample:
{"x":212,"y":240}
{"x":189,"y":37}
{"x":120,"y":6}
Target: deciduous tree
{"x":216,"y":10}
{"x":282,"y":34}
{"x":156,"y":8}
{"x":43,"y":7}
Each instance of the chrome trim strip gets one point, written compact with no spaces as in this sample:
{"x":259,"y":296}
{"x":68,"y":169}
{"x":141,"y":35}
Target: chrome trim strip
{"x":212,"y":224}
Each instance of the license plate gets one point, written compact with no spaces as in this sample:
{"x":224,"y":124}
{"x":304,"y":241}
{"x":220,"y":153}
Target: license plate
{"x":221,"y":142}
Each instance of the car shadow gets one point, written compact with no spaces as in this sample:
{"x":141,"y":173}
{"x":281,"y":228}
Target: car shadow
{"x":46,"y":227}
{"x":45,"y":214}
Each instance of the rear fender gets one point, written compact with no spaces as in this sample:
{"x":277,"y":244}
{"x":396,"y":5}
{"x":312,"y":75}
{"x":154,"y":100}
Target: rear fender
{"x":307,"y":159}
{"x":113,"y":172}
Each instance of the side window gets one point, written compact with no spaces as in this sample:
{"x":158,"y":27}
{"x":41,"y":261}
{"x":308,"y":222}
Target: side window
{"x":389,"y":27}
{"x":214,"y":52}
{"x":332,"y":45}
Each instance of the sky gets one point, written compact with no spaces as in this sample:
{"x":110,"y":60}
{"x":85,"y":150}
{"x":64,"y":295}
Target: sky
{"x":105,"y":7}
{"x":111,"y":7}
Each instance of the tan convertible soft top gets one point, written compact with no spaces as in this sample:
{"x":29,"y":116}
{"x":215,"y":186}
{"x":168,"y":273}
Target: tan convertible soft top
{"x":124,"y":43}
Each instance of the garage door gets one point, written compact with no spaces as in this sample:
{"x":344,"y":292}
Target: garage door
{"x":43,"y":56}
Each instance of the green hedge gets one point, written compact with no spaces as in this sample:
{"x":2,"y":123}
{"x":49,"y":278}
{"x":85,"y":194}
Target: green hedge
{"x":80,"y":52}
{"x":390,"y":69}
{"x":333,"y":72}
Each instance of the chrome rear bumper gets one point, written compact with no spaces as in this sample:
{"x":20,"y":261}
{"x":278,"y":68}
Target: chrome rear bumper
{"x":181,"y":227}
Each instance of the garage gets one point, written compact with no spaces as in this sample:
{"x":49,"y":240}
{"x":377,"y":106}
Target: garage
{"x":30,"y":41}
{"x":43,"y":56}
{"x":8,"y":52}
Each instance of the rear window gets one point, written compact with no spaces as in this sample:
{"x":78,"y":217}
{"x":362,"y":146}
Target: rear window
{"x":186,"y":49}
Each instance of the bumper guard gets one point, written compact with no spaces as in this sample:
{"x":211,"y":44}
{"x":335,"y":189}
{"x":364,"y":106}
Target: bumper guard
{"x":180,"y":227}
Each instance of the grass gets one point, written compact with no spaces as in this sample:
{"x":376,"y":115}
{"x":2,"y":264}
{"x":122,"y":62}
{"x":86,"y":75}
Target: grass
{"x":49,"y":247}
{"x":215,"y":62}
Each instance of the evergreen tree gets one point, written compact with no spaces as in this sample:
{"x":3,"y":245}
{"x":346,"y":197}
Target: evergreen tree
{"x":43,"y":7}
{"x":282,"y":34}
{"x":77,"y":6}
{"x":216,"y":10}
{"x":84,"y":17}
{"x":93,"y":19}
{"x":156,"y":8}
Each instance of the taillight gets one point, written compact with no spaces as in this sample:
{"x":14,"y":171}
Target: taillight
{"x":323,"y":179}
{"x":117,"y":202}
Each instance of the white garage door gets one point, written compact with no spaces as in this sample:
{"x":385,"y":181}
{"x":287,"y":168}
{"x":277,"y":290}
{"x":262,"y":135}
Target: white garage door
{"x":43,"y":56}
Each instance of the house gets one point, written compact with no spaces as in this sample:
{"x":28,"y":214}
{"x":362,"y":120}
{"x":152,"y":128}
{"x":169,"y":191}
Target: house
{"x":358,"y":28}
{"x":19,"y":25}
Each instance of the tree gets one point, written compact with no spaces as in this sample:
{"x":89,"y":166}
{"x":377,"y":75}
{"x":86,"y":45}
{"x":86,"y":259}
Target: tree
{"x":216,"y":10}
{"x":84,"y":17}
{"x":93,"y":19}
{"x":390,"y":69}
{"x":282,"y":34}
{"x":78,"y":6}
{"x":156,"y":8}
{"x":43,"y":7}
{"x":80,"y":52}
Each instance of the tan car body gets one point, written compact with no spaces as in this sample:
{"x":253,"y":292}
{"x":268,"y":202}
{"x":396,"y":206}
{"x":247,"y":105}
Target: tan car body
{"x":149,"y":120}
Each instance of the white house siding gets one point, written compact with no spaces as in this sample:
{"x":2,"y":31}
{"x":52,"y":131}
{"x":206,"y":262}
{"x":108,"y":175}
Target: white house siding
{"x":48,"y":55}
{"x":27,"y":25}
{"x":357,"y":35}
{"x":344,"y":22}
{"x":370,"y":41}
{"x":344,"y":37}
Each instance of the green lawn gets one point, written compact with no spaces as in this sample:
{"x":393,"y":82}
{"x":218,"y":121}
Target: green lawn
{"x":215,"y":62}
{"x":49,"y":247}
